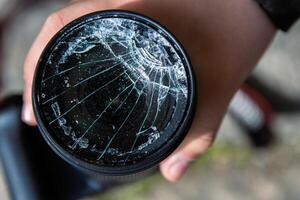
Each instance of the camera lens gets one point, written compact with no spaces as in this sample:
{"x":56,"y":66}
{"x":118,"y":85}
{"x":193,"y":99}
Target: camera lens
{"x":113,"y":93}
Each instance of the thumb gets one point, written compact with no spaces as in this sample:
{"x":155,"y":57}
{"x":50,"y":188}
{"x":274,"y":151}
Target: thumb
{"x":27,"y":110}
{"x":177,"y":163}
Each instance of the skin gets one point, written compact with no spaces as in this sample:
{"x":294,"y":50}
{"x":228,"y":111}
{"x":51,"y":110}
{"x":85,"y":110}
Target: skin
{"x":224,"y":40}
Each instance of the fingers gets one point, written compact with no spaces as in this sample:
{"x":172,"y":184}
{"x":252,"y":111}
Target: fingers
{"x":52,"y":25}
{"x":175,"y":165}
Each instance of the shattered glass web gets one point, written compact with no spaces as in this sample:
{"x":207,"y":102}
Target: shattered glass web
{"x":113,"y":91}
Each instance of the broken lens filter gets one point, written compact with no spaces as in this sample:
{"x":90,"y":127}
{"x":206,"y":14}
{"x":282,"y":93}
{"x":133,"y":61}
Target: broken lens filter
{"x":113,"y":93}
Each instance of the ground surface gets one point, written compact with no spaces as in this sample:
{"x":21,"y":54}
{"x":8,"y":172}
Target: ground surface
{"x":232,"y":169}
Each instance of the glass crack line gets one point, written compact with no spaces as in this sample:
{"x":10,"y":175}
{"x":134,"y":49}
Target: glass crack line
{"x":162,"y":85}
{"x":160,"y":66}
{"x":130,"y":93}
{"x":89,"y":128}
{"x":119,"y":42}
{"x":141,"y":127}
{"x":121,"y":104}
{"x":99,"y":73}
{"x":177,"y":85}
{"x":88,"y":96}
{"x":158,"y":105}
{"x":148,"y":57}
{"x":84,"y":64}
{"x":127,"y":117}
{"x":115,"y":111}
{"x":95,"y":121}
{"x":142,"y":52}
{"x":158,"y":102}
{"x":97,"y":42}
{"x":73,"y":86}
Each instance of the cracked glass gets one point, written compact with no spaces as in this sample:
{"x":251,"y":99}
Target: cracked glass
{"x":113,"y":90}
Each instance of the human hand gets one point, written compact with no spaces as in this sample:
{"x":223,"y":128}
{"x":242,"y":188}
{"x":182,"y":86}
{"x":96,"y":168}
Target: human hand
{"x":224,"y":40}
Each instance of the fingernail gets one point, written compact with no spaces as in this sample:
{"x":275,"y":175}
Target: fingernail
{"x":178,"y":166}
{"x":26,"y":114}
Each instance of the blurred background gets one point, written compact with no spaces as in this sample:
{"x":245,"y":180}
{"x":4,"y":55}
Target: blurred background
{"x":238,"y":166}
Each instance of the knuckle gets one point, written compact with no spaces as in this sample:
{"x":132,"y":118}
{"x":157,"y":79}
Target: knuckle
{"x":55,"y":20}
{"x":27,"y":62}
{"x":208,"y":140}
{"x":29,"y":67}
{"x":204,"y":142}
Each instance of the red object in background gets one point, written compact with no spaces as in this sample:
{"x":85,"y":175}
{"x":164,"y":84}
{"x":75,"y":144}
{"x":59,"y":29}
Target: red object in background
{"x":254,"y":113}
